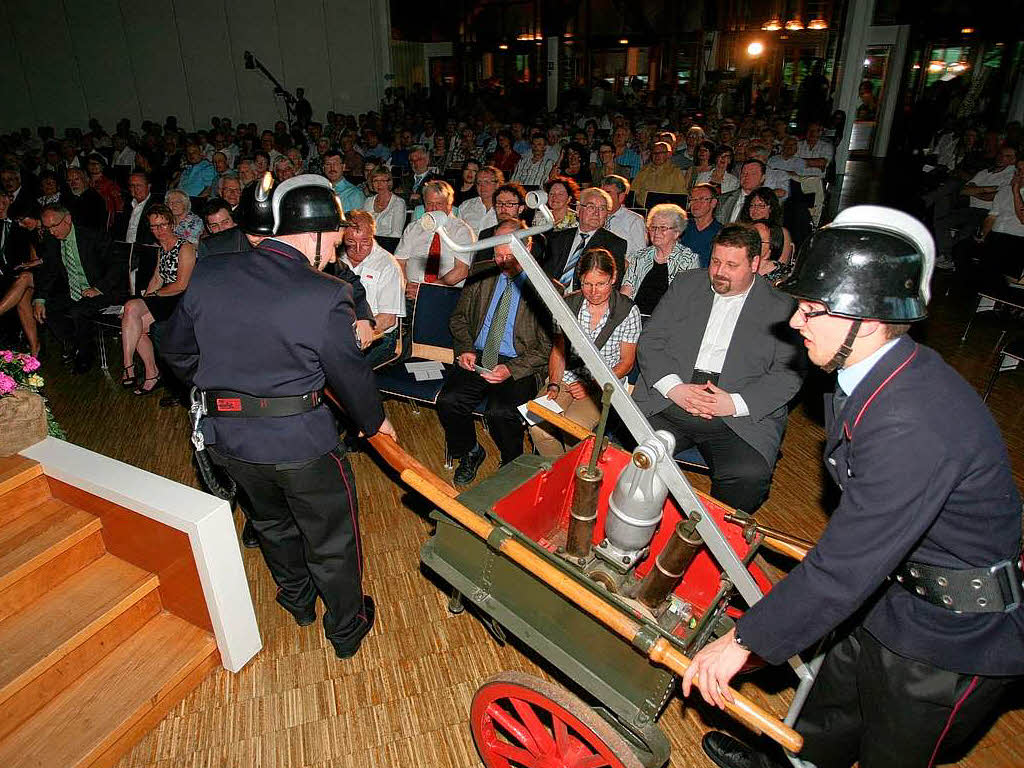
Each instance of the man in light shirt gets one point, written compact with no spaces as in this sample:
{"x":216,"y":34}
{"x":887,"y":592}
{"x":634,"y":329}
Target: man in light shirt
{"x":621,"y":221}
{"x":727,"y":392}
{"x":132,"y":225}
{"x":533,"y":169}
{"x":816,"y":151}
{"x":421,"y":253}
{"x":383,"y":281}
{"x":479,"y":211}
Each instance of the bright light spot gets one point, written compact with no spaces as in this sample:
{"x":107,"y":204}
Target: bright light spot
{"x":624,"y":41}
{"x":503,"y":47}
{"x":867,"y":62}
{"x":755,"y":48}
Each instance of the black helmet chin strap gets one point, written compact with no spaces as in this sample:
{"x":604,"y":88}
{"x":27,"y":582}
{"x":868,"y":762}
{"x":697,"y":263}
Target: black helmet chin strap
{"x":844,"y":351}
{"x":318,"y":258}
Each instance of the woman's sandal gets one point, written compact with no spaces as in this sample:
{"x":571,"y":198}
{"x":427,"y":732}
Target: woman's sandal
{"x":128,"y":381}
{"x":142,"y":391}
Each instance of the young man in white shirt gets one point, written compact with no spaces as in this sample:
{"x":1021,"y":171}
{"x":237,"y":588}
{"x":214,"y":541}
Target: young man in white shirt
{"x":628,"y":225}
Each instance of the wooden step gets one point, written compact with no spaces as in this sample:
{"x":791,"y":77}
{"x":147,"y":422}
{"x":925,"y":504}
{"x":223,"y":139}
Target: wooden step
{"x":64,"y":619}
{"x":22,"y":498}
{"x":15,"y":470}
{"x":39,"y":536}
{"x":96,"y":720}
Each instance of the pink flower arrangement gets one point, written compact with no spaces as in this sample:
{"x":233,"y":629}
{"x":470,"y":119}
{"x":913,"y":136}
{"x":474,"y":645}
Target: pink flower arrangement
{"x":7,"y":384}
{"x":17,"y":370}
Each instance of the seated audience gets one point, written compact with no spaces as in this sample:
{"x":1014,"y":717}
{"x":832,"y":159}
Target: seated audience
{"x":198,"y":173}
{"x":105,"y":186}
{"x":612,"y":322}
{"x":79,"y":276}
{"x":501,"y":351}
{"x":763,"y":205}
{"x":719,"y":175}
{"x":225,"y":235}
{"x":565,"y":247}
{"x":387,"y":208}
{"x":424,"y":256}
{"x":352,"y":198}
{"x":479,"y":211}
{"x":815,"y":151}
{"x":229,"y":189}
{"x":563,"y":195}
{"x":730,"y":204}
{"x":621,"y":221}
{"x":719,"y":365}
{"x":1003,"y":253}
{"x":132,"y":224}
{"x":383,"y":281}
{"x":422,"y":172}
{"x":505,"y":158}
{"x":702,"y":225}
{"x":467,"y":189}
{"x":169,"y":280}
{"x":773,"y":267}
{"x":702,"y":163}
{"x":187,"y":225}
{"x":573,"y":163}
{"x":534,"y":169}
{"x":625,"y":156}
{"x":652,"y":269}
{"x":85,"y":203}
{"x":17,"y":262}
{"x":659,"y":176}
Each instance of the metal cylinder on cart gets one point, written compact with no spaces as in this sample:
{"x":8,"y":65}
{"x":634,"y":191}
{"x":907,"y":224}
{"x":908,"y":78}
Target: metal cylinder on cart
{"x":583,"y":512}
{"x":670,"y":564}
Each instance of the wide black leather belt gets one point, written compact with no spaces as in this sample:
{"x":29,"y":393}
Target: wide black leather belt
{"x":991,"y":589}
{"x":225,"y":402}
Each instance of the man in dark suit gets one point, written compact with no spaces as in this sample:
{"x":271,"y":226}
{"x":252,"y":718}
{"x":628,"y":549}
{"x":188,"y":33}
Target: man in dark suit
{"x":922,"y":553}
{"x":566,"y":246}
{"x":235,"y":334}
{"x":132,"y":224}
{"x":731,"y":203}
{"x":719,"y":365}
{"x":502,"y":343}
{"x":85,"y":204}
{"x":225,"y":235}
{"x":23,"y":195}
{"x":80,"y":275}
{"x":419,"y":162}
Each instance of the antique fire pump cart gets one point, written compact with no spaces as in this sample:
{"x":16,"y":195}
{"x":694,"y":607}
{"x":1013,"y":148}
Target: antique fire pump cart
{"x":606,"y":563}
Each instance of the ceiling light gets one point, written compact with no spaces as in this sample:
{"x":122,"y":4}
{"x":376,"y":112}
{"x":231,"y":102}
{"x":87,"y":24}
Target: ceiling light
{"x":755,"y":48}
{"x":772,"y":25}
{"x":503,"y":47}
{"x":817,"y":24}
{"x":936,"y":66}
{"x":794,"y":25}
{"x":967,"y":31}
{"x":624,"y":41}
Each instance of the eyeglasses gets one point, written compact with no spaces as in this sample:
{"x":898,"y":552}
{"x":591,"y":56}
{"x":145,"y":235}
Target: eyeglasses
{"x":700,"y":200}
{"x":55,"y":224}
{"x":160,"y":225}
{"x":506,"y":204}
{"x":759,"y":204}
{"x":659,"y":230}
{"x":813,"y":313}
{"x":594,"y":207}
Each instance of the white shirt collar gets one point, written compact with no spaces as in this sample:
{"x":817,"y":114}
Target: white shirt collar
{"x":850,"y":377}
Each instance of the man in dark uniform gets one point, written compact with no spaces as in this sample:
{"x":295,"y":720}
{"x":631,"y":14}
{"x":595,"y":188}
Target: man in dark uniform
{"x":919,"y":563}
{"x":261,"y":333}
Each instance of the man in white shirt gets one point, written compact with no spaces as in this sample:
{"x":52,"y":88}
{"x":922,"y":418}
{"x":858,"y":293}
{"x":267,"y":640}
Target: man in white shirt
{"x":1004,"y":243}
{"x":726,"y":394}
{"x":533,"y":169}
{"x":479,"y":211}
{"x":621,"y":221}
{"x":136,"y":226}
{"x":423,"y":256}
{"x":382,"y":279}
{"x":981,"y":191}
{"x":815,"y":150}
{"x":123,"y":154}
{"x":774,"y":177}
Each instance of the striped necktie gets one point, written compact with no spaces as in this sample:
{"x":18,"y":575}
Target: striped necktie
{"x":574,"y":257}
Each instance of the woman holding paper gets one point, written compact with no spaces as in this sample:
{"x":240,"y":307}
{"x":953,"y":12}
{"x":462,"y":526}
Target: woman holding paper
{"x":612,"y":322}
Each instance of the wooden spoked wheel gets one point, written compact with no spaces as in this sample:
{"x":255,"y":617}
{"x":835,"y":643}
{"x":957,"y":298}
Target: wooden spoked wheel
{"x":521,"y":721}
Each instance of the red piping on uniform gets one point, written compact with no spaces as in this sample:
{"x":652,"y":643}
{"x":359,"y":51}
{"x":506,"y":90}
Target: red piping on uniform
{"x":890,"y":377}
{"x":274,"y":250}
{"x":355,"y":530}
{"x":952,"y":716}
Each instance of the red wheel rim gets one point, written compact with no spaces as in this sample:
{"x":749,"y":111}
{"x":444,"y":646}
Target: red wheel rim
{"x":517,"y":727}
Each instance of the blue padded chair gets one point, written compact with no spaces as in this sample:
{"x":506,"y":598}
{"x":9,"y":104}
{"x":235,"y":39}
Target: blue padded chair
{"x":431,"y":339}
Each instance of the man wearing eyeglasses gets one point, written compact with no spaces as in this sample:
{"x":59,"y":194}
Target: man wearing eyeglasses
{"x":80,"y":276}
{"x":509,"y":205}
{"x":702,"y":225}
{"x":565,"y":247}
{"x":659,"y":176}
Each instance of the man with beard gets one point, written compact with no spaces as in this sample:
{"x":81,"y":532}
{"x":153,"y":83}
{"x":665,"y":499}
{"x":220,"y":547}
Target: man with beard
{"x":718,"y":367}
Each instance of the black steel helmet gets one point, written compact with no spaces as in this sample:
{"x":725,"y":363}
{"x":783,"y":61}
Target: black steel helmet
{"x":870,"y":263}
{"x":306,"y":203}
{"x":256,"y":214}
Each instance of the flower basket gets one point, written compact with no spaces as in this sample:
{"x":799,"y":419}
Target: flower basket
{"x":22,"y":421}
{"x":24,"y":417}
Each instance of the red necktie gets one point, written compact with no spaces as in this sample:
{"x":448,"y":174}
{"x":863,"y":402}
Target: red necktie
{"x":433,"y":260}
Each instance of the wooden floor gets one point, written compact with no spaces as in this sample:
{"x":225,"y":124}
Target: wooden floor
{"x":404,"y":699}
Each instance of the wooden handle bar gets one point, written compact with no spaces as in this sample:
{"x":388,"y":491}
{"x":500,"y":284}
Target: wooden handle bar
{"x":567,"y":425}
{"x":776,"y":540}
{"x":785,"y":547}
{"x":662,"y":652}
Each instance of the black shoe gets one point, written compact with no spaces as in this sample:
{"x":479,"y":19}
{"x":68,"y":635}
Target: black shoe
{"x":727,"y":752}
{"x":303,"y":617}
{"x":465,"y":473}
{"x":347,"y":648}
{"x":249,"y":537}
{"x":82,"y":364}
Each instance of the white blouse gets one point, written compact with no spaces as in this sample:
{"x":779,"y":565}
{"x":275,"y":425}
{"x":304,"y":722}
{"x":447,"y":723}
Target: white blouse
{"x":390,"y":221}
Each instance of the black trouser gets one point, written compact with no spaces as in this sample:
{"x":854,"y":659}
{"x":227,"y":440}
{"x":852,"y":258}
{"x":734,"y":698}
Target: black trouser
{"x":888,"y":711}
{"x":305,"y":514}
{"x":463,"y":391}
{"x":740,"y":477}
{"x":72,"y":321}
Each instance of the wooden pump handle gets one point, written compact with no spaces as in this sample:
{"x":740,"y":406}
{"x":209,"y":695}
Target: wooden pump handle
{"x":565,"y":424}
{"x":662,"y":652}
